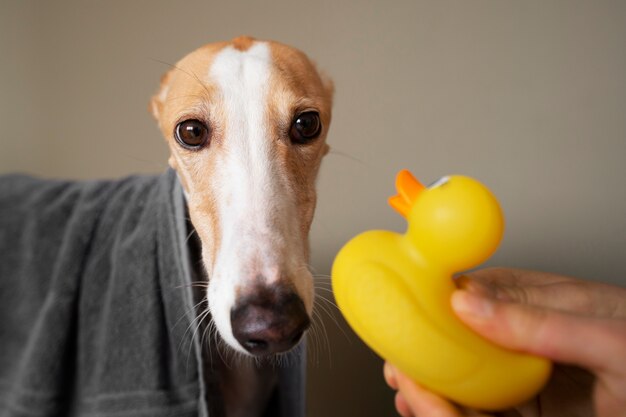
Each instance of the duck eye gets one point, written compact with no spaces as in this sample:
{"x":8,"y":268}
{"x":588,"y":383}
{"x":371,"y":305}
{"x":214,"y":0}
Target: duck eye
{"x":192,"y":134}
{"x":440,"y":182}
{"x":305,"y":127}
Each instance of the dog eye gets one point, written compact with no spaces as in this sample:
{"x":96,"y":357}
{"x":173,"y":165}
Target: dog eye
{"x":192,"y":134}
{"x":306,"y":126}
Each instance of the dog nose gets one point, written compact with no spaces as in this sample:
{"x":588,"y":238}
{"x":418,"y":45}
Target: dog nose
{"x":268,"y":321}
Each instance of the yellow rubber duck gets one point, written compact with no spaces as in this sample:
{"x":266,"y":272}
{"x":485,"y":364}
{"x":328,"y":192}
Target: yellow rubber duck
{"x":394,"y":290}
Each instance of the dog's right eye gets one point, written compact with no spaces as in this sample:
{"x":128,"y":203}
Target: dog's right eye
{"x":192,"y":134}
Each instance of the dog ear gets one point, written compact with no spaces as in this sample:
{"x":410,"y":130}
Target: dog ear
{"x":329,"y":86}
{"x":157,"y":101}
{"x":329,"y":90}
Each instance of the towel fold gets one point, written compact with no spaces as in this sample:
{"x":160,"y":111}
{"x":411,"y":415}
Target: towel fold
{"x":95,"y":302}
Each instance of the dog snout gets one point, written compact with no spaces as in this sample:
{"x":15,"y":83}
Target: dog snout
{"x":269,"y":320}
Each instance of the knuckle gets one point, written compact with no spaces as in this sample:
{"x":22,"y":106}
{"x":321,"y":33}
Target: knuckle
{"x":517,"y":294}
{"x":527,"y":326}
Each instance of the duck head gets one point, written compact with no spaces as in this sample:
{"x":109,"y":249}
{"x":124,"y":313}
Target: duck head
{"x":456,"y":223}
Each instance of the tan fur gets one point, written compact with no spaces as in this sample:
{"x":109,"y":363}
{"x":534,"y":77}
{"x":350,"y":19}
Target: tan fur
{"x":296,"y":86}
{"x":243,"y":43}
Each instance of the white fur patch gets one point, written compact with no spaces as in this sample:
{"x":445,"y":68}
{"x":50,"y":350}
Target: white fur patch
{"x":256,"y":210}
{"x":163,"y":93}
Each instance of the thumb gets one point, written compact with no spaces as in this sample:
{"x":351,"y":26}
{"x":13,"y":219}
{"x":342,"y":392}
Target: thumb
{"x":562,"y":337}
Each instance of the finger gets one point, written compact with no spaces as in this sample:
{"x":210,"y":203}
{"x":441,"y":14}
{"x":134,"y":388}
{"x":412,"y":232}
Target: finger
{"x":547,"y":290}
{"x":402,"y":407}
{"x":593,"y":299}
{"x":563,"y":337}
{"x":516,"y":277}
{"x":465,"y":282}
{"x":420,"y":401}
{"x":503,"y":283}
{"x":390,"y":377}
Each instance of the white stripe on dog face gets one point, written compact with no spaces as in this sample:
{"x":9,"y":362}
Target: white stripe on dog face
{"x":256,"y":212}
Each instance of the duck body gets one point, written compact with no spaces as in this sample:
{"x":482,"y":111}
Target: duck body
{"x":394,"y":290}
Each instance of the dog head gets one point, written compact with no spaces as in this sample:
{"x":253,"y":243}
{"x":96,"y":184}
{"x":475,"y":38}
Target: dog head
{"x":246,"y":123}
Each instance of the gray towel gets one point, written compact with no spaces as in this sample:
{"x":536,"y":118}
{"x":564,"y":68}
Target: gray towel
{"x":95,"y":302}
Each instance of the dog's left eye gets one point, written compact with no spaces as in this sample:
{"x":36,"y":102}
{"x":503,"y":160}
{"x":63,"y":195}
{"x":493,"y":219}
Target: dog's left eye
{"x":192,"y":134}
{"x":305,"y":127}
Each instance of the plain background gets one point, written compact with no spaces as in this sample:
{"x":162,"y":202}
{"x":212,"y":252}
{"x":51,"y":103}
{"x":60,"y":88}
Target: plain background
{"x":527,"y":96}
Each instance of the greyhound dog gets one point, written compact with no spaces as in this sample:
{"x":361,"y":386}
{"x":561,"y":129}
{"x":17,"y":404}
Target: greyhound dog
{"x":246,"y":124}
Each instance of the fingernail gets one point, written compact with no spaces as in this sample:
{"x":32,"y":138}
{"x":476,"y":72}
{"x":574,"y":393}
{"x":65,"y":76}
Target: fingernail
{"x":465,"y":283}
{"x":390,"y":376}
{"x":462,"y":281}
{"x":388,"y":370}
{"x":471,"y":305}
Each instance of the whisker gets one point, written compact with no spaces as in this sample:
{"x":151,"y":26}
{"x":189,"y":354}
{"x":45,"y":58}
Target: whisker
{"x":322,"y":276}
{"x":189,"y":235}
{"x":211,"y":331}
{"x":313,"y":336}
{"x":324,"y":308}
{"x":322,"y":336}
{"x":326,"y":300}
{"x":183,"y":96}
{"x":197,"y":318}
{"x":197,"y":284}
{"x":203,"y":341}
{"x":186,"y":313}
{"x":325,"y":342}
{"x":193,"y":336}
{"x":218,"y":343}
{"x":190,"y":73}
{"x":348,"y":156}
{"x":184,"y":217}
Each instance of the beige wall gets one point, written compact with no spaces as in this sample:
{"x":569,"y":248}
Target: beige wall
{"x":528,"y":96}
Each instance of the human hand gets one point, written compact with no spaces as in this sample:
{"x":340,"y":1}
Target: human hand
{"x":569,"y":321}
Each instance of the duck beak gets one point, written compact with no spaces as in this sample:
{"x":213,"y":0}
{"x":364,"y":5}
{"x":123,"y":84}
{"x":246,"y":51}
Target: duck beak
{"x":409,"y":188}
